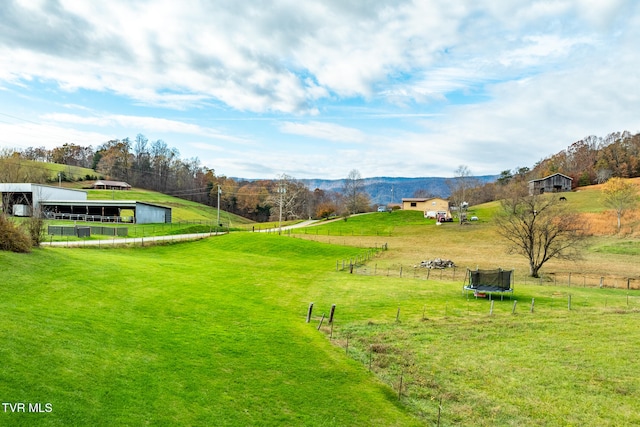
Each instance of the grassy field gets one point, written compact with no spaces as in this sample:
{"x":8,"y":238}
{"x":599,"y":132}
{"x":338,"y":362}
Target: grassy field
{"x":214,"y":332}
{"x":210,"y":332}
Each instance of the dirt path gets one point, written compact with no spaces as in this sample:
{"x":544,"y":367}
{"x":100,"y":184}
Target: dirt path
{"x":131,"y":240}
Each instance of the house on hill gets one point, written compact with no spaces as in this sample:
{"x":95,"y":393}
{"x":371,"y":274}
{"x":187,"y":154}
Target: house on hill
{"x":110,"y":185}
{"x":556,"y":183}
{"x":432,"y":207}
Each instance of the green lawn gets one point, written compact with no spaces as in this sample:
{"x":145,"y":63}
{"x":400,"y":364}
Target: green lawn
{"x":213,"y":333}
{"x":205,"y":333}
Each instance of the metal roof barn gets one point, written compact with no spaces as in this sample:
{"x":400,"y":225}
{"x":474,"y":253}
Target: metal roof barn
{"x":64,"y":203}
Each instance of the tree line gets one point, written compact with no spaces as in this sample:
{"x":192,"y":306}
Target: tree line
{"x":154,"y":165}
{"x":591,"y":160}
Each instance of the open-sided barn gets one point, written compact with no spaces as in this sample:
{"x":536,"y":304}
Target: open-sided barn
{"x":23,"y":199}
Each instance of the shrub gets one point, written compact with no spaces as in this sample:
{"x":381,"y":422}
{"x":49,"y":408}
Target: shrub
{"x":12,"y":238}
{"x":34,"y":227}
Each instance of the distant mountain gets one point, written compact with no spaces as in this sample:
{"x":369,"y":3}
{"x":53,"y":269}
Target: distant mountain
{"x":383,"y":190}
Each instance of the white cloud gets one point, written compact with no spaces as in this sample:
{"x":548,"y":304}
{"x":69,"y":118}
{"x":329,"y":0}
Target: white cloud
{"x":155,"y":124}
{"x":496,"y":83}
{"x":23,"y":135}
{"x":321,"y":130}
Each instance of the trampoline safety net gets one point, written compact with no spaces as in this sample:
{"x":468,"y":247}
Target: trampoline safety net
{"x":500,"y":279}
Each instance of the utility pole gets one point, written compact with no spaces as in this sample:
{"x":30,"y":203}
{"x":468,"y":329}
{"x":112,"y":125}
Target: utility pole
{"x":218,"y":221}
{"x":282,"y":189}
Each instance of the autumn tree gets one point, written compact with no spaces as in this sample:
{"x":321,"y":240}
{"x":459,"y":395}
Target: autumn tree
{"x":620,"y":195}
{"x":253,"y":200}
{"x":540,"y":228}
{"x":115,"y":159}
{"x":326,"y":209}
{"x":72,"y":155}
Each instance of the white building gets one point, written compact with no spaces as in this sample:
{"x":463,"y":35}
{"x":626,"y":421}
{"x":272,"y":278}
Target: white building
{"x":21,"y":199}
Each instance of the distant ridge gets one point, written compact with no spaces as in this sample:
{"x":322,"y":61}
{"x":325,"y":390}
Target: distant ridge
{"x":383,"y":190}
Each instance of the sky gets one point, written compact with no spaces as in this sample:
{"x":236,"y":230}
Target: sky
{"x":316,"y":89}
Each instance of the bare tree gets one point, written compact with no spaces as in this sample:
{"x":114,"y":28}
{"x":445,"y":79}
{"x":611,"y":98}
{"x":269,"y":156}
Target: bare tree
{"x":353,"y":190}
{"x":289,"y":198}
{"x":460,"y":187}
{"x":540,"y":228}
{"x":619,"y":195}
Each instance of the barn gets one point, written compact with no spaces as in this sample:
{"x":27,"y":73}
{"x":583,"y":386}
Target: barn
{"x":22,"y":199}
{"x":556,"y":183}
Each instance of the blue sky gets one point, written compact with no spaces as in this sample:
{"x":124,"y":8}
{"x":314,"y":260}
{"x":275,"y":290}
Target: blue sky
{"x":315,"y":89}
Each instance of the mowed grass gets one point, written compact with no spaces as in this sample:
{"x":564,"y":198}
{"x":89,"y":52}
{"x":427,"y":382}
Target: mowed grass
{"x":213,"y":333}
{"x":206,"y":333}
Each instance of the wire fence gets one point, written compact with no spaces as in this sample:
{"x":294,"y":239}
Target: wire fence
{"x":361,"y":264}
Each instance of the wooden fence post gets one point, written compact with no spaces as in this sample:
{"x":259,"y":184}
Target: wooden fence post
{"x":321,"y":320}
{"x":331,"y":313}
{"x":309,"y":312}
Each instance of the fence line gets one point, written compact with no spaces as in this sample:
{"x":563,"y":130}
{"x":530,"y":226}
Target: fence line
{"x":360,"y":259}
{"x":569,"y":279}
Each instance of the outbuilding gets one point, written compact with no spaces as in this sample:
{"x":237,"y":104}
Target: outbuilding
{"x":556,"y":183}
{"x":110,"y":185}
{"x":24,"y":199}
